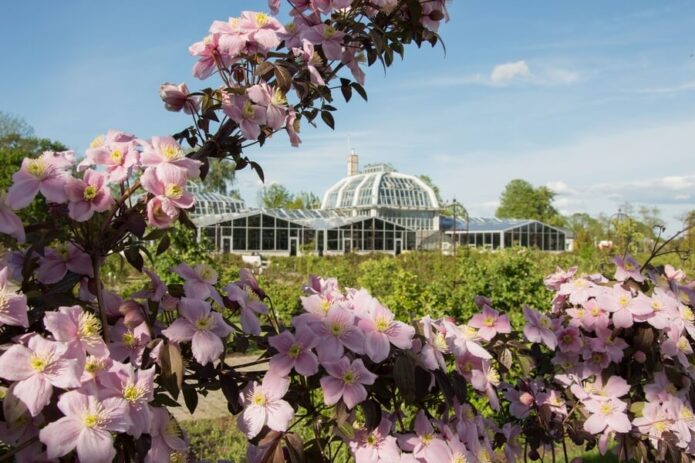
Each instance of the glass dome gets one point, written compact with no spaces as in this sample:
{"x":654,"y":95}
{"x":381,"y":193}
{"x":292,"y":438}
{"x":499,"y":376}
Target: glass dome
{"x":380,"y":186}
{"x":209,"y":203}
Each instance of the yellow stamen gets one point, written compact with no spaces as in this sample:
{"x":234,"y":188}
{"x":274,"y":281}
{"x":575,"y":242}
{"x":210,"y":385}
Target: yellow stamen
{"x":89,"y":193}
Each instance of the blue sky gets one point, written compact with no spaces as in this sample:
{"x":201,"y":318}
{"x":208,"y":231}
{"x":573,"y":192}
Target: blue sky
{"x":594,"y":99}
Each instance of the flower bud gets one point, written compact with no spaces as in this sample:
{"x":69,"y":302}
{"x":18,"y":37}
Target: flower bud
{"x":639,"y":356}
{"x":177,"y":97}
{"x":132,"y":314}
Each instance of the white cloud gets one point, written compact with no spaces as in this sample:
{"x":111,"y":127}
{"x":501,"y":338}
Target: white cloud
{"x":561,"y":188}
{"x":505,"y":73}
{"x":684,"y":87}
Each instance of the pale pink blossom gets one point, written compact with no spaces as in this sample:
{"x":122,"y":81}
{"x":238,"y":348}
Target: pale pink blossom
{"x":330,"y":39}
{"x":559,"y":277}
{"x":177,"y":97}
{"x":161,"y":213}
{"x":294,"y":351}
{"x":165,"y":436}
{"x":381,"y":329}
{"x":249,"y":116}
{"x":156,"y":289}
{"x":346,"y":381}
{"x":337,"y":331}
{"x":79,"y":329}
{"x":654,"y":421}
{"x":623,"y":306}
{"x":606,"y":416}
{"x":486,"y":380}
{"x":208,"y":53}
{"x":86,"y":426}
{"x":261,"y":31}
{"x":206,"y":329}
{"x":44,"y":174}
{"x":312,"y":60}
{"x":136,"y":388}
{"x":538,"y":328}
{"x":10,"y":223}
{"x":673,"y":274}
{"x":249,"y":306}
{"x":119,"y":159}
{"x":38,"y":367}
{"x":432,"y":353}
{"x":88,"y":195}
{"x":164,"y":154}
{"x":377,"y":446}
{"x":627,"y":268}
{"x":293,"y":127}
{"x":129,"y":343}
{"x":606,"y":341}
{"x":13,"y":306}
{"x":199,"y":281}
{"x":273,"y":99}
{"x":263,"y":405}
{"x":489,"y":323}
{"x":56,"y":262}
{"x":464,"y":339}
{"x":424,"y":442}
{"x":578,"y":290}
{"x":570,"y":339}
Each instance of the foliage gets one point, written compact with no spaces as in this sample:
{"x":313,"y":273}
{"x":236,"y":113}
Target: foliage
{"x":220,"y":179}
{"x":13,"y":125}
{"x":520,"y":200}
{"x":274,"y":196}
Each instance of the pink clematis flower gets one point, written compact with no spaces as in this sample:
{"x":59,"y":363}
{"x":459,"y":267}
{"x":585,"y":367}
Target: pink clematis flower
{"x":489,"y":323}
{"x":86,"y":426}
{"x":330,"y":39}
{"x":177,"y":97}
{"x":380,"y":329}
{"x":119,"y":158}
{"x":424,"y":442}
{"x":607,"y":342}
{"x":263,"y":405}
{"x":485,"y":380}
{"x":464,"y":339}
{"x":627,"y":268}
{"x":10,"y":224}
{"x":261,"y":30}
{"x":164,"y":154}
{"x":432,"y":353}
{"x":44,"y":174}
{"x":129,"y":343}
{"x":311,"y":60}
{"x":570,"y":339}
{"x":204,"y":328}
{"x":273,"y":100}
{"x":346,"y":380}
{"x":56,"y":262}
{"x":169,"y":185}
{"x":199,"y":281}
{"x":293,"y":126}
{"x":654,"y":421}
{"x":623,"y":306}
{"x":559,"y":277}
{"x":38,"y":367}
{"x":337,"y":331}
{"x":538,"y":328}
{"x":208,"y":53}
{"x":663,"y":306}
{"x":13,"y":306}
{"x":249,"y":306}
{"x":294,"y":351}
{"x":606,"y":416}
{"x":156,"y":289}
{"x":377,"y":446}
{"x":79,"y":329}
{"x":136,"y":387}
{"x":165,"y":437}
{"x":242,"y":110}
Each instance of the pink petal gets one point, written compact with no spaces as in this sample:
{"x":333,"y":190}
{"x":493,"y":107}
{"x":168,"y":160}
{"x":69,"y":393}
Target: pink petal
{"x":22,"y":192}
{"x":54,"y":189}
{"x":180,"y":331}
{"x":354,"y":394}
{"x":206,"y":346}
{"x":14,"y":363}
{"x":377,"y":346}
{"x":280,"y":413}
{"x":95,"y":446}
{"x":622,"y":319}
{"x":60,"y":436}
{"x":619,"y":422}
{"x":353,"y":339}
{"x":401,"y":335}
{"x":252,"y":420}
{"x":73,"y":403}
{"x":307,"y":364}
{"x":595,"y":424}
{"x":249,"y":322}
{"x":35,"y":392}
{"x":332,"y":389}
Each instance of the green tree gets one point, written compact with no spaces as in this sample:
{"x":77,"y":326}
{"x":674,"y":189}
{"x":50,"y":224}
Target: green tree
{"x":435,"y":188}
{"x":305,"y":200}
{"x":520,"y":200}
{"x":274,"y":196}
{"x":13,"y":125}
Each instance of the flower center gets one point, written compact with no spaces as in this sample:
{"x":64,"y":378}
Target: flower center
{"x":325,"y":305}
{"x":382,"y":324}
{"x":597,"y":357}
{"x":133,"y":393}
{"x":629,"y":267}
{"x":688,"y":314}
{"x":117,"y":156}
{"x":623,"y":301}
{"x":38,"y":363}
{"x":544,"y":322}
{"x":171,"y":152}
{"x":91,"y":420}
{"x":37,"y":167}
{"x":248,"y":111}
{"x":683,"y":344}
{"x":128,"y":339}
{"x":458,"y":458}
{"x":173,"y":191}
{"x":372,"y":440}
{"x":258,"y":399}
{"x":336,"y":329}
{"x":349,"y":377}
{"x":489,"y":322}
{"x":88,"y":326}
{"x":204,"y":323}
{"x":4,"y":301}
{"x":171,"y":429}
{"x":178,"y":457}
{"x":661,"y":427}
{"x":567,"y":339}
{"x":596,"y":311}
{"x":426,"y":439}
{"x":93,"y":365}
{"x":580,"y":283}
{"x":686,"y":414}
{"x":493,"y":377}
{"x":89,"y":193}
{"x":261,"y":19}
{"x":606,"y":409}
{"x":294,"y":351}
{"x":278,"y":98}
{"x":315,"y":60}
{"x":329,"y":31}
{"x":440,"y":342}
{"x":581,"y":313}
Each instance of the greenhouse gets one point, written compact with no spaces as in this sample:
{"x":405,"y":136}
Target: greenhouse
{"x":504,"y":233}
{"x":213,"y":204}
{"x":380,"y":191}
{"x":293,"y":232}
